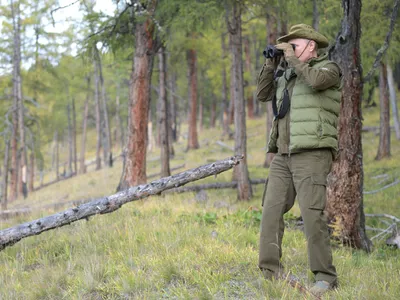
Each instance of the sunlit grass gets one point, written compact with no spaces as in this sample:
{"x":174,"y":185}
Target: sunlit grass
{"x":179,"y":247}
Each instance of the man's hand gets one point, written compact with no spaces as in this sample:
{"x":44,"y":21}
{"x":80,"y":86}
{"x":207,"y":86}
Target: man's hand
{"x":286,"y":48}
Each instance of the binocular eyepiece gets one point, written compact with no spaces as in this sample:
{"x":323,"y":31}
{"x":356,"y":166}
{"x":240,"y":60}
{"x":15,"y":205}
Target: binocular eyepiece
{"x":272,"y":52}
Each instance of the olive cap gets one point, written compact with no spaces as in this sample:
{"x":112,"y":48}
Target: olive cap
{"x":303,"y":31}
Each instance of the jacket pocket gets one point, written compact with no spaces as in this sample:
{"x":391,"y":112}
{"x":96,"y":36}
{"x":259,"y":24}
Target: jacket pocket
{"x":318,"y":195}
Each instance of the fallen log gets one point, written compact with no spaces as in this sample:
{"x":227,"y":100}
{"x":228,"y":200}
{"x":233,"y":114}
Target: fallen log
{"x":210,"y":186}
{"x":373,"y":129}
{"x":108,"y":204}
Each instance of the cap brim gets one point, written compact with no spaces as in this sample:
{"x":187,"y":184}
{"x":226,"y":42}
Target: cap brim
{"x":286,"y":38}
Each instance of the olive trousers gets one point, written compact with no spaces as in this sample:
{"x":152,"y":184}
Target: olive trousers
{"x":303,"y":174}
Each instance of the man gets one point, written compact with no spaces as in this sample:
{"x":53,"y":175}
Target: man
{"x":305,"y":91}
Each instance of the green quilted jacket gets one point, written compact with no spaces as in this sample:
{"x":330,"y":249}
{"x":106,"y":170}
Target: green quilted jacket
{"x":314,"y":103}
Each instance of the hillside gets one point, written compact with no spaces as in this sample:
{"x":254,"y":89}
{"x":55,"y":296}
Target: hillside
{"x":189,"y":246}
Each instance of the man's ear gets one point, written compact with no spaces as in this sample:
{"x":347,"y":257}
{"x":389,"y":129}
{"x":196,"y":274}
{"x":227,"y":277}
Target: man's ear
{"x":313,"y":45}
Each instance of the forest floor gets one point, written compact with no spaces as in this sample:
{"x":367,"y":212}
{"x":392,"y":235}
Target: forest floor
{"x":191,"y":246}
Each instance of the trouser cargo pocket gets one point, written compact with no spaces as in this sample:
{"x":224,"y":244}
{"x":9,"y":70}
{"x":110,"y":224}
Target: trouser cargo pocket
{"x":318,"y":195}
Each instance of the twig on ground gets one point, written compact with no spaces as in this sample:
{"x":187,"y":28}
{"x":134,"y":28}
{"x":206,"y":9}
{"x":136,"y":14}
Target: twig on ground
{"x":384,"y":216}
{"x":295,"y":283}
{"x":384,"y":232}
{"x":383,"y":188}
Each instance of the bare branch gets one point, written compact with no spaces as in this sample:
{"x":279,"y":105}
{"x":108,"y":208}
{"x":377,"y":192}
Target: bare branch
{"x":61,"y":7}
{"x":385,"y":46}
{"x":383,"y":216}
{"x":384,"y":188}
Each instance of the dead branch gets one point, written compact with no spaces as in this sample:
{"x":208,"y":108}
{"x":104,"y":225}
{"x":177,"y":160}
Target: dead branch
{"x":295,"y":283}
{"x":385,"y":232}
{"x":381,"y":52}
{"x":397,"y":220}
{"x":211,"y":186}
{"x":111,"y":203}
{"x":383,"y":188}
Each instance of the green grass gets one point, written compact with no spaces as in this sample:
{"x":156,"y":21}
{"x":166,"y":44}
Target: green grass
{"x":175,"y":247}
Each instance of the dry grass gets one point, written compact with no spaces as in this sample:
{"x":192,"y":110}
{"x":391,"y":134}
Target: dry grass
{"x":177,"y":247}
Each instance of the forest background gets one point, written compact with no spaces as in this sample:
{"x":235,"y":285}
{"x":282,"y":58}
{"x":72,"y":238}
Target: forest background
{"x":68,"y":109}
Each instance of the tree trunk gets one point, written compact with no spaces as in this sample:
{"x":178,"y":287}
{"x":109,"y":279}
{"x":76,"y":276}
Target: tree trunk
{"x":118,"y":122}
{"x":393,"y":101}
{"x":257,"y":55}
{"x":57,"y":155}
{"x":70,"y":141}
{"x":201,"y":112}
{"x":82,"y":168}
{"x":162,"y":116}
{"x":139,"y":98}
{"x":384,"y":134}
{"x":107,"y":147}
{"x":84,"y":128}
{"x":14,"y":151}
{"x":193,"y":142}
{"x":32,"y":168}
{"x":109,"y":204}
{"x":75,"y":159}
{"x":98,"y":115}
{"x":272,"y":30}
{"x":213,"y":116}
{"x":17,"y":94}
{"x":250,"y":94}
{"x":345,"y":183}
{"x":4,"y":183}
{"x":315,"y":21}
{"x":235,"y":32}
{"x":224,"y":103}
{"x":173,"y":107}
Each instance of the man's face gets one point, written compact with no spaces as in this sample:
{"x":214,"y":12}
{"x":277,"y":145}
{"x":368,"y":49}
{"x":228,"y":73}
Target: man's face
{"x":304,"y":48}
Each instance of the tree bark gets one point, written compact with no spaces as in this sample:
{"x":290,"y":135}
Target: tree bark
{"x":384,"y":133}
{"x":393,"y":101}
{"x":173,"y":107}
{"x":10,"y":236}
{"x":17,"y":95}
{"x":4,"y":182}
{"x":345,"y":183}
{"x":82,"y":168}
{"x":250,"y":94}
{"x":213,"y":116}
{"x":139,"y":98}
{"x":98,"y":115}
{"x":224,"y":103}
{"x":32,"y":168}
{"x":193,"y":142}
{"x":201,"y":112}
{"x":315,"y":21}
{"x":107,"y":147}
{"x":162,"y":116}
{"x":235,"y":31}
{"x":57,"y":155}
{"x":118,"y":122}
{"x":70,"y":141}
{"x":14,"y":152}
{"x":75,"y":158}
